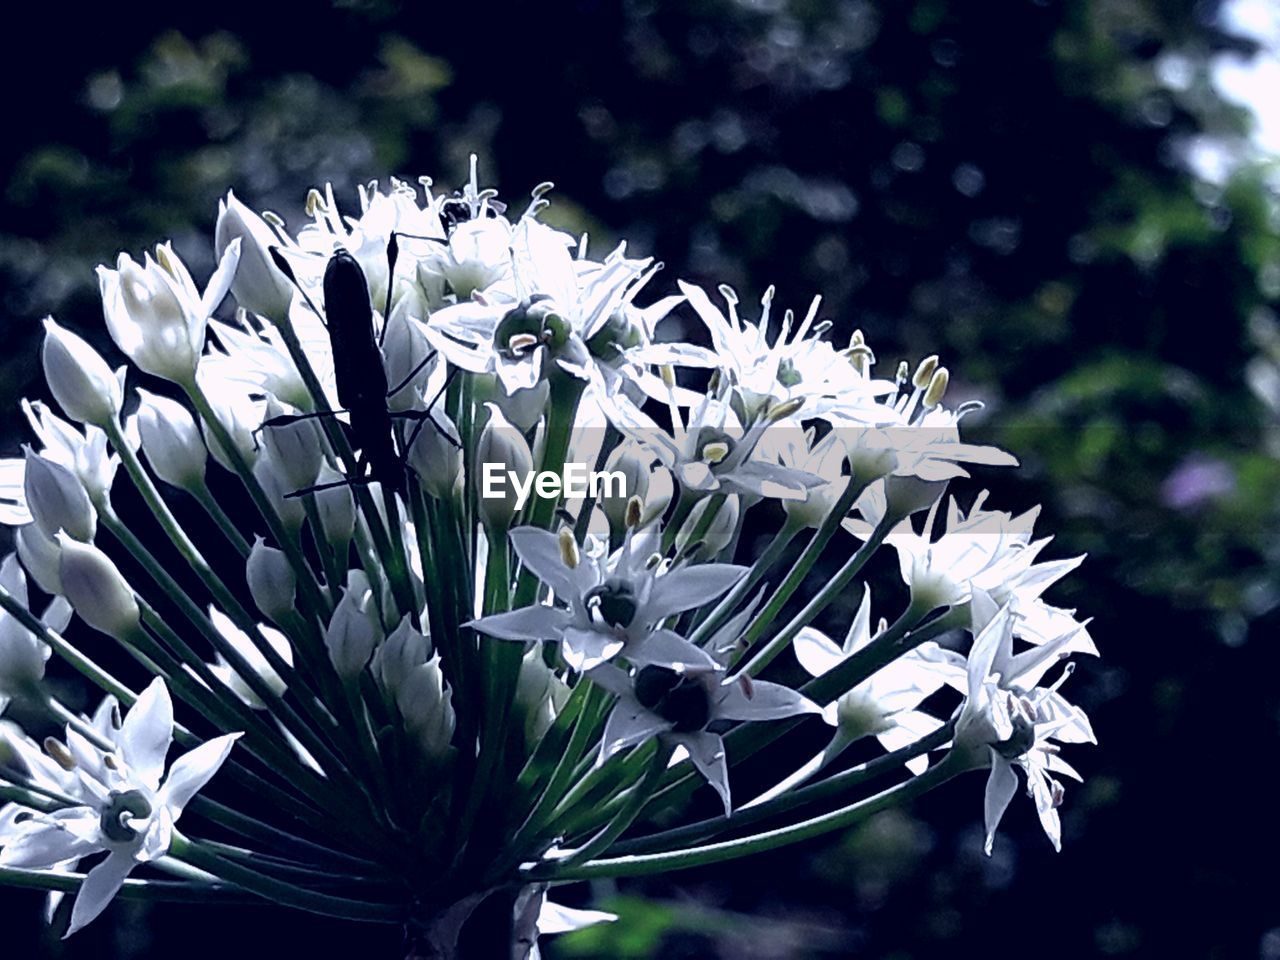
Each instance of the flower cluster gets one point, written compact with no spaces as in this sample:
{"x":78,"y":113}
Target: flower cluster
{"x":409,"y":620}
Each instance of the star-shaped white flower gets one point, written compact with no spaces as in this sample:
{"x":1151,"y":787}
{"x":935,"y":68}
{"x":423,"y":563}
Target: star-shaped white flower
{"x":613,"y":602}
{"x":687,"y":706}
{"x":1015,"y":722}
{"x":128,"y":812}
{"x":886,"y":704}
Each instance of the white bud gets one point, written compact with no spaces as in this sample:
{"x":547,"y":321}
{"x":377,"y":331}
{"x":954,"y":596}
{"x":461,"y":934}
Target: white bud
{"x":403,"y":651}
{"x":504,"y":446}
{"x":96,"y":589}
{"x":22,"y":654}
{"x":271,"y":580}
{"x":540,"y":692}
{"x":337,"y":508}
{"x":39,"y":553}
{"x":171,"y":441}
{"x":405,"y":351}
{"x":426,"y":704}
{"x":79,"y":378}
{"x":239,"y":416}
{"x":294,"y":448}
{"x":719,"y":533}
{"x":258,"y":286}
{"x":57,"y":499}
{"x":351,"y":636}
{"x":276,"y":486}
{"x":436,"y":455}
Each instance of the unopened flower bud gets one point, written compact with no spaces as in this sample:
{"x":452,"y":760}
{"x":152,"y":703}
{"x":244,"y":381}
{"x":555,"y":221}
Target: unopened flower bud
{"x":426,"y":704}
{"x":436,"y":455}
{"x":96,"y":590}
{"x":57,"y":499}
{"x":718,"y":534}
{"x":40,"y":556}
{"x":294,"y":448}
{"x":350,"y":637}
{"x":271,"y":580}
{"x":79,"y":378}
{"x":337,"y":509}
{"x":270,"y":476}
{"x":501,"y":451}
{"x":258,"y":286}
{"x":171,"y":441}
{"x":22,"y":653}
{"x":399,"y":655}
{"x":541,"y":694}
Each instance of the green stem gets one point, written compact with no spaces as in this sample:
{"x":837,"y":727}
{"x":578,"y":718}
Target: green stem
{"x":819,"y":602}
{"x":647,"y":864}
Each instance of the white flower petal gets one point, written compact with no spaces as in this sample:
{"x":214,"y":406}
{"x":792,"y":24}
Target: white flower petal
{"x":741,"y":699}
{"x":1002,"y":783}
{"x":536,"y":622}
{"x":99,"y":888}
{"x":706,"y":750}
{"x":816,"y":652}
{"x":147,"y":733}
{"x":193,"y":770}
{"x":690,"y":586}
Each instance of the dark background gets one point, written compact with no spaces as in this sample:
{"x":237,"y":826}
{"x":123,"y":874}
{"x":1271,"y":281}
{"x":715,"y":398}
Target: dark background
{"x":999,"y":183}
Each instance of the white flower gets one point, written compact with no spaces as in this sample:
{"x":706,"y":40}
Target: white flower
{"x":78,"y":377}
{"x":988,"y":550}
{"x":684,"y":705}
{"x":711,"y":452}
{"x":127,"y":813}
{"x":550,"y":310}
{"x":155,"y":314}
{"x":1008,"y":720}
{"x":505,"y":447}
{"x":886,"y":704}
{"x":258,"y":285}
{"x":615,"y":602}
{"x":761,"y":374}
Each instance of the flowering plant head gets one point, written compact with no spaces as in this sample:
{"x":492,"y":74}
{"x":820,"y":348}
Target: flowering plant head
{"x":506,"y":595}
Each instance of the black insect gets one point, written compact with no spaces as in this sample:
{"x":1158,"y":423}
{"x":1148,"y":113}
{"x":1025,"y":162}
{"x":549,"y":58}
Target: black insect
{"x":361,"y":378}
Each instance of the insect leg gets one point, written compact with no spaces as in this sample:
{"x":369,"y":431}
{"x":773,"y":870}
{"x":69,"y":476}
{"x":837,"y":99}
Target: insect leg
{"x":286,"y":268}
{"x":412,"y":373}
{"x":320,"y":487}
